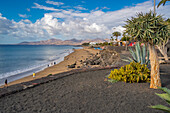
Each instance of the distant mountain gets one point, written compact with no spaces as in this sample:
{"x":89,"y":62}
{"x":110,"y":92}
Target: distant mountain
{"x":65,"y":42}
{"x":74,"y":40}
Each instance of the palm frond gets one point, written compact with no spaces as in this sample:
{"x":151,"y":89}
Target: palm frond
{"x":162,"y":2}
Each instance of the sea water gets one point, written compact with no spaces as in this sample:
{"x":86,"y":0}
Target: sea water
{"x":18,"y":61}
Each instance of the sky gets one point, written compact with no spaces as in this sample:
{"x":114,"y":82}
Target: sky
{"x":34,"y":20}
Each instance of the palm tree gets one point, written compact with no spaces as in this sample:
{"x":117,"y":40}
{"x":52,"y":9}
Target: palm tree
{"x":111,"y":41}
{"x":125,"y":38}
{"x":149,"y":28}
{"x":162,"y":2}
{"x":111,"y":38}
{"x":116,"y":34}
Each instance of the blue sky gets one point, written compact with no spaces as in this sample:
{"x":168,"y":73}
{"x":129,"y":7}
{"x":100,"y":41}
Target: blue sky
{"x":33,"y":20}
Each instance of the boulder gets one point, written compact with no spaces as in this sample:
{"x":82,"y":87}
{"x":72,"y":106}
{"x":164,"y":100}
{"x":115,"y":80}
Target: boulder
{"x":71,"y":66}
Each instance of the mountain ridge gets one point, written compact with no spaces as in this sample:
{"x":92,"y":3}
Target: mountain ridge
{"x":65,"y":42}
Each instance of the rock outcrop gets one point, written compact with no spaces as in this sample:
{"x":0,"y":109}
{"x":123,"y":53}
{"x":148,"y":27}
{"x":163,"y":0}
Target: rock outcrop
{"x":103,"y":58}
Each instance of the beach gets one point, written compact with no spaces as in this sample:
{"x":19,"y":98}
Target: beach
{"x":76,"y":56}
{"x":61,"y":89}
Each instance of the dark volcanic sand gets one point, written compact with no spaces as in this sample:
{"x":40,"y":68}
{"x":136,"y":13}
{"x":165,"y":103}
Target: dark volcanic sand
{"x":86,"y":93}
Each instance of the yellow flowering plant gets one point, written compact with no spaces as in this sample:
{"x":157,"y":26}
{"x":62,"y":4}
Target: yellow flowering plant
{"x":132,"y":73}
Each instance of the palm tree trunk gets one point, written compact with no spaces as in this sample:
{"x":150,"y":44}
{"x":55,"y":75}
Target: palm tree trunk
{"x":126,"y":44}
{"x":155,"y":75}
{"x":154,"y":7}
{"x":116,"y":41}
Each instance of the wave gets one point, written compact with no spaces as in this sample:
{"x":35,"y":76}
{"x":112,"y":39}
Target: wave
{"x":39,"y":67}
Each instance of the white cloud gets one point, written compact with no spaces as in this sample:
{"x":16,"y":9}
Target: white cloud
{"x":75,"y":24}
{"x":118,"y":28}
{"x":79,"y":7}
{"x":26,"y":21}
{"x":4,"y":18}
{"x":100,"y":8}
{"x":164,"y":10}
{"x":105,"y":8}
{"x":37,"y":6}
{"x":28,"y":30}
{"x":54,"y":3}
{"x":5,"y":25}
{"x":94,"y":28}
{"x":23,"y":15}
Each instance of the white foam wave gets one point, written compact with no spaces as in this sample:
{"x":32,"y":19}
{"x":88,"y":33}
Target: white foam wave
{"x":57,"y":59}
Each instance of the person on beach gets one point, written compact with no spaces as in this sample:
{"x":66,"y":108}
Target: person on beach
{"x":33,"y":74}
{"x":6,"y":83}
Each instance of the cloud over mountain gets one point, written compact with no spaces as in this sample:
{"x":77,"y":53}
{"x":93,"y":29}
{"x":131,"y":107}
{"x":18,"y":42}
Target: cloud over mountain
{"x":73,"y":23}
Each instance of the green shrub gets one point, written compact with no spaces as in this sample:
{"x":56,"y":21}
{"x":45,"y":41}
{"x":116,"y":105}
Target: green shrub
{"x":125,"y":38}
{"x":166,"y":97}
{"x":50,"y":74}
{"x":85,"y":44}
{"x":134,"y":72}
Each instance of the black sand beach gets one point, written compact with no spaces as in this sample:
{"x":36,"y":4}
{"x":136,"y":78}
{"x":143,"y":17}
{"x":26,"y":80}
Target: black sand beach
{"x":86,"y":92}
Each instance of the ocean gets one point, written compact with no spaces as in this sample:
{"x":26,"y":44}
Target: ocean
{"x":18,"y":61}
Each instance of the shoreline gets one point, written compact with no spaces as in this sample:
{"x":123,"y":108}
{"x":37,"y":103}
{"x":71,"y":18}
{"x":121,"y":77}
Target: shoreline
{"x":75,"y":56}
{"x":24,"y":72}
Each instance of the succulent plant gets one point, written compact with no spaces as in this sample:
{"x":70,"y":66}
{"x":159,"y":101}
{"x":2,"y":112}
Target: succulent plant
{"x":166,"y":97}
{"x":139,"y":55}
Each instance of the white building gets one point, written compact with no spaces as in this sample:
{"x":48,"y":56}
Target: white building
{"x":93,"y":43}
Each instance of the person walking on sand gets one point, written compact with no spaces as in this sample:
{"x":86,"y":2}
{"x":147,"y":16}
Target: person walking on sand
{"x":6,"y":83}
{"x":33,"y":74}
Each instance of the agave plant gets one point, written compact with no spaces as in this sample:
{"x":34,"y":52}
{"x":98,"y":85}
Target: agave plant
{"x":166,"y":97}
{"x":139,"y":55}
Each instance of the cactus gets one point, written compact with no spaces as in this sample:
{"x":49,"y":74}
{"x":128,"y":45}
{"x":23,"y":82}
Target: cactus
{"x":166,"y":97}
{"x":138,"y":55}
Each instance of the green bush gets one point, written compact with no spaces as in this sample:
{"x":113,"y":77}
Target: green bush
{"x":124,"y":38}
{"x":134,"y":72}
{"x":85,"y":44}
{"x":50,"y":74}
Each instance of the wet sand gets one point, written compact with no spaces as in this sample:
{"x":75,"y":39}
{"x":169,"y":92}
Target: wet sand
{"x":76,"y":56}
